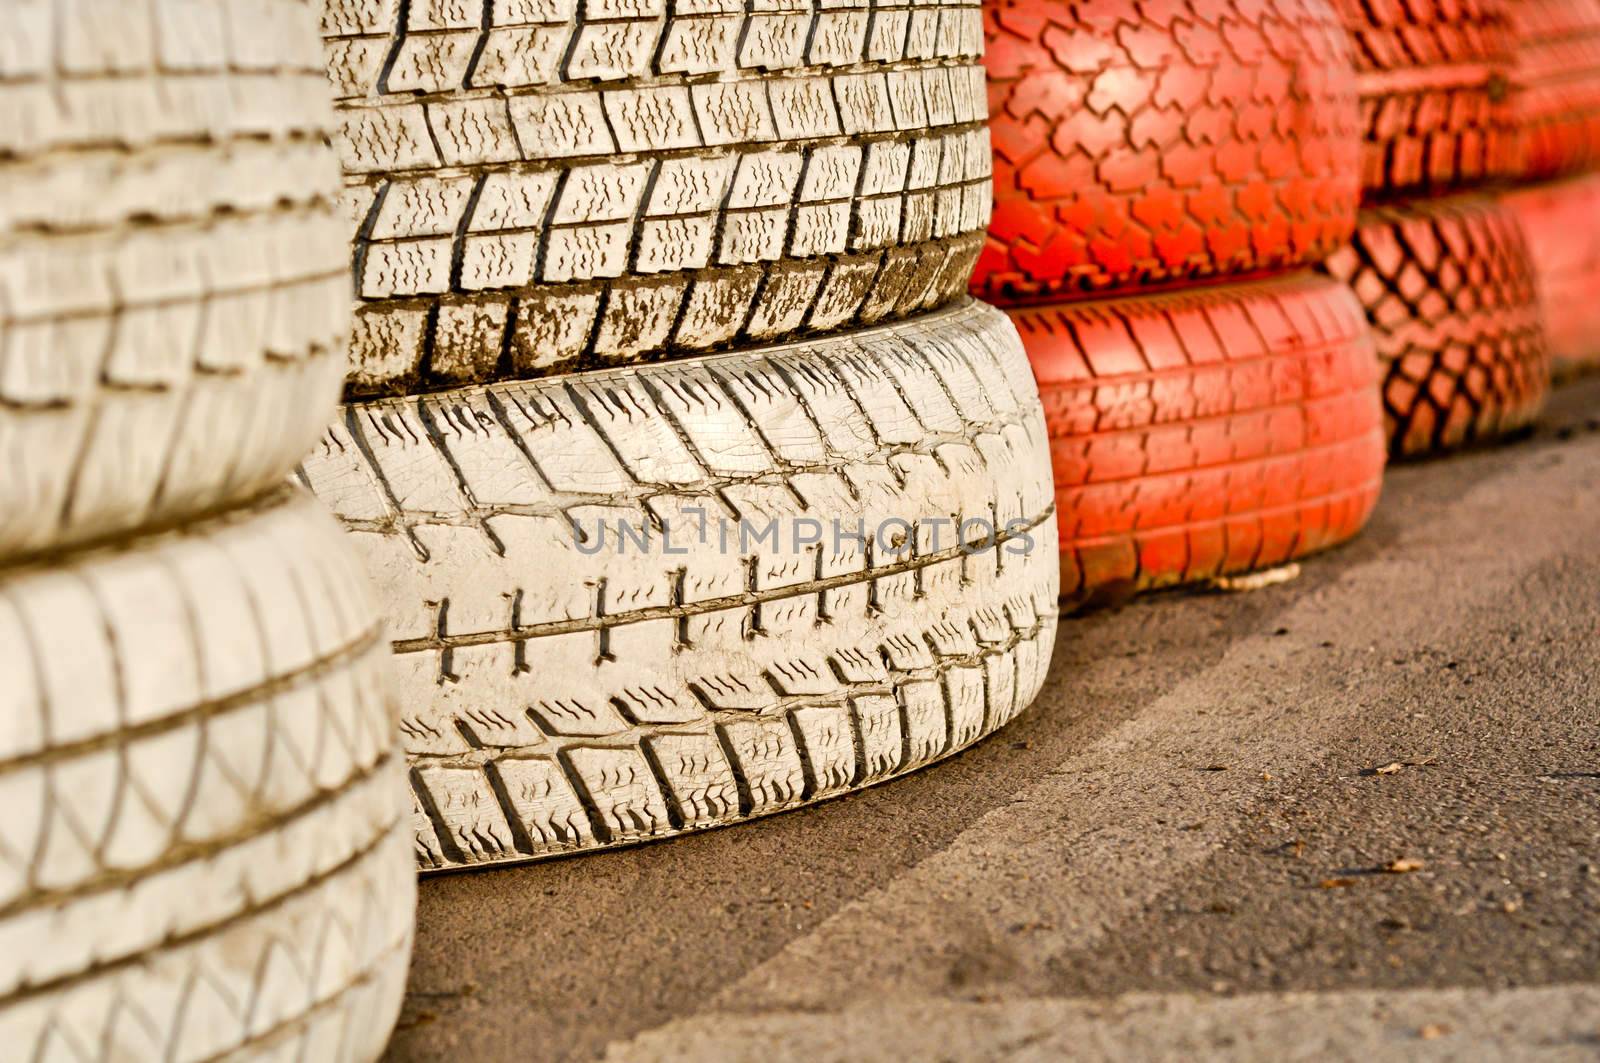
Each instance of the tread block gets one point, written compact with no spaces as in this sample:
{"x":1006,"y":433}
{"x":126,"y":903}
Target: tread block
{"x":622,"y":789}
{"x":878,"y":722}
{"x":927,"y":722}
{"x":767,"y":760}
{"x":466,"y":806}
{"x":828,"y":736}
{"x":544,"y":804}
{"x":698,"y":777}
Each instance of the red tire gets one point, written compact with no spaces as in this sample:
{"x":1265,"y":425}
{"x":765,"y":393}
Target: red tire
{"x":1207,"y":432}
{"x":1435,"y":85}
{"x":1561,"y":222}
{"x":1449,"y":289}
{"x":1558,"y":85}
{"x":1164,"y":140}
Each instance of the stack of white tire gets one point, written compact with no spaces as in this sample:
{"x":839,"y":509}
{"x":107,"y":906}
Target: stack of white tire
{"x":203,"y":849}
{"x":694,"y":486}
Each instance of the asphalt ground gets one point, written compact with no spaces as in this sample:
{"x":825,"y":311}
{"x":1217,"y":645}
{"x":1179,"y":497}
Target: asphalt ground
{"x":1355,"y":814}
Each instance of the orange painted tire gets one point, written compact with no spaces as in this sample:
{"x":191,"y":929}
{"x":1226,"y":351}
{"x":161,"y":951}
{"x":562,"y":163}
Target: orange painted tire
{"x":1205,"y":432}
{"x":1449,"y":290}
{"x":1558,"y":85}
{"x":1163,"y":141}
{"x":1436,"y":102}
{"x":1561,"y":222}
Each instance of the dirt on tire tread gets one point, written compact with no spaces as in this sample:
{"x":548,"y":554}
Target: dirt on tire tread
{"x":548,"y":187}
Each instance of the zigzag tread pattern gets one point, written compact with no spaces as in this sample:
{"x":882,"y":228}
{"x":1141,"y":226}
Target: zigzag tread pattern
{"x":199,"y":766}
{"x":1437,"y":99}
{"x":1450,"y":292}
{"x":379,"y":48}
{"x":173,"y":304}
{"x":683,"y":539}
{"x":1140,"y":144}
{"x":1558,"y":220}
{"x":1206,"y":433}
{"x":1557,"y":86}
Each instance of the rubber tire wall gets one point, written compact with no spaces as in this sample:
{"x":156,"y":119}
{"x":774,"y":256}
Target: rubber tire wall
{"x":1148,"y":143}
{"x":1437,"y":102}
{"x":1207,"y":432}
{"x":1557,"y":85}
{"x":1449,"y":289}
{"x":537,"y":190}
{"x":1561,"y":222}
{"x":174,"y":306}
{"x":559,"y":697}
{"x":204,"y":850}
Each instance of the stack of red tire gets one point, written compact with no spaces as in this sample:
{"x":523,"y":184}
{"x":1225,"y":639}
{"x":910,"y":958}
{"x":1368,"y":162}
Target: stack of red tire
{"x":1557,"y":200}
{"x":1167,"y":174}
{"x":1439,"y":261}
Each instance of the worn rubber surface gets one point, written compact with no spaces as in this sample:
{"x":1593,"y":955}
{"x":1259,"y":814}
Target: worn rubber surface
{"x":1449,"y":289}
{"x":204,"y":848}
{"x":1437,"y":100}
{"x":1561,"y":222}
{"x":1557,"y":85}
{"x":1206,"y":432}
{"x":561,"y":695}
{"x":1146,"y":143}
{"x":174,"y":305}
{"x":542,"y":187}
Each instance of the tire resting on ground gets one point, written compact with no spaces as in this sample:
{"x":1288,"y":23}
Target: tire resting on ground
{"x":174,"y":306}
{"x":561,"y":696}
{"x":1559,"y":220}
{"x":1205,"y":433}
{"x":1449,"y":289}
{"x":204,"y":850}
{"x":544,"y":187}
{"x":1437,"y":104}
{"x":1557,"y":85}
{"x":1153,"y":143}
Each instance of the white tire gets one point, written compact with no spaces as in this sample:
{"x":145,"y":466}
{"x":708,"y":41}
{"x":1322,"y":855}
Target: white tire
{"x":174,"y":295}
{"x":554,"y":698}
{"x":204,"y":850}
{"x":541,"y":187}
